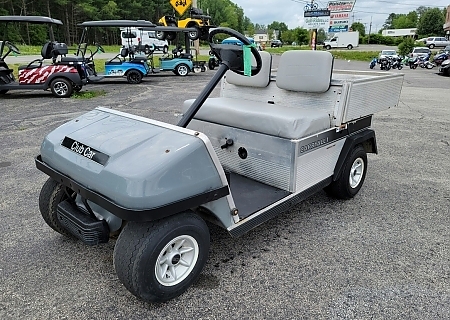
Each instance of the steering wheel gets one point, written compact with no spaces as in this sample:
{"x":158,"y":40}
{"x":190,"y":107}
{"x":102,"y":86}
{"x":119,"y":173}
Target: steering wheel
{"x":224,"y":52}
{"x":12,"y":47}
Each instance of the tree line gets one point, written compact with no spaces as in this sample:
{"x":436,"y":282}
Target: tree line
{"x":74,"y":12}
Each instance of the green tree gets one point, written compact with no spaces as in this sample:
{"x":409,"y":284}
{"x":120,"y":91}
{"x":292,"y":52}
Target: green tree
{"x":358,"y":26}
{"x":430,"y":22}
{"x":406,"y":46}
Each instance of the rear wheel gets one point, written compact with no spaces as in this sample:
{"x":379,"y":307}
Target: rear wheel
{"x":134,"y":77}
{"x":165,"y":49}
{"x":431,"y":46}
{"x":61,"y":88}
{"x":171,"y":35}
{"x":159,"y":260}
{"x":53,"y":193}
{"x":328,"y":47}
{"x":194,"y":35}
{"x":161,"y":35}
{"x":182,"y":70}
{"x":349,"y":47}
{"x":352,"y":175}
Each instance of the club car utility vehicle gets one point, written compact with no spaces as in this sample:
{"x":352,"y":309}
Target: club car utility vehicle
{"x":62,"y":77}
{"x":268,"y":142}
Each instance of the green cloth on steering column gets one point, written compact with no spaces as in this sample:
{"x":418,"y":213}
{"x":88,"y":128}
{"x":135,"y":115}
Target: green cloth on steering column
{"x":248,"y":59}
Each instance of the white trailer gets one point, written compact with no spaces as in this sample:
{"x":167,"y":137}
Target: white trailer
{"x":399,"y":32}
{"x":347,"y":40}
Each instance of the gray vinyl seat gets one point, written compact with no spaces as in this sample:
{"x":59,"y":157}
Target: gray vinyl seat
{"x":300,"y":71}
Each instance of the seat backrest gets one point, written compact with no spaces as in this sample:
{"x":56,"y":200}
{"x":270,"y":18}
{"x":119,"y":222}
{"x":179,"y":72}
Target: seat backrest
{"x":305,"y":71}
{"x":60,"y":49}
{"x":46,"y":51}
{"x":261,"y":80}
{"x":124,"y":52}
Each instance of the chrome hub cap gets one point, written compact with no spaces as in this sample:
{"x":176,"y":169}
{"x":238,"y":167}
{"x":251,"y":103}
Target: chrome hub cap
{"x":61,"y":88}
{"x":182,"y":71}
{"x":177,"y":260}
{"x":356,"y":172}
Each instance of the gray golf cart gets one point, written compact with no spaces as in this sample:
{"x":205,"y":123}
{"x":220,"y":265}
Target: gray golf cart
{"x":268,"y":142}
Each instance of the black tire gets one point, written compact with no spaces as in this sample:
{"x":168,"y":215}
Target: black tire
{"x":3,"y":91}
{"x":61,"y":88}
{"x":349,"y":47}
{"x":165,"y":49}
{"x":354,"y":169}
{"x":203,"y":69}
{"x":431,"y":46}
{"x":160,"y":35}
{"x":327,"y":47}
{"x":171,"y":36}
{"x":400,"y":67}
{"x":53,"y":193}
{"x":182,"y":70}
{"x":194,"y":35}
{"x":211,"y":64}
{"x":134,"y":76}
{"x":143,"y":248}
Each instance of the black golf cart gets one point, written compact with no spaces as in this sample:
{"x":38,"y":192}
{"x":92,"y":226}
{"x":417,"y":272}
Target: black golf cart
{"x":62,"y":77}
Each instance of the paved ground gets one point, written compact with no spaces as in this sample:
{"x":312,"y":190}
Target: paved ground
{"x":383,"y":255}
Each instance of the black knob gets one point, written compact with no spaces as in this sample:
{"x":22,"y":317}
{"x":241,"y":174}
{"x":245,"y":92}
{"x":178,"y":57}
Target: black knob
{"x":228,"y":143}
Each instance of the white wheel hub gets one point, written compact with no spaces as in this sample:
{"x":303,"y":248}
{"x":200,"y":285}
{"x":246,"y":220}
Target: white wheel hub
{"x":356,"y":172}
{"x":177,"y":260}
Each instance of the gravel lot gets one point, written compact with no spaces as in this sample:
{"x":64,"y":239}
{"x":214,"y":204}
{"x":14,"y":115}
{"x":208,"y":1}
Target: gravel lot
{"x":383,"y":255}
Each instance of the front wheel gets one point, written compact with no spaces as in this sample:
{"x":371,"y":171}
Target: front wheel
{"x":430,"y":66}
{"x":182,"y":70}
{"x":352,"y":175}
{"x":400,"y":67}
{"x":61,"y":88}
{"x":52,"y":194}
{"x":212,"y":64}
{"x":328,"y":47}
{"x":134,"y":77}
{"x":159,"y":260}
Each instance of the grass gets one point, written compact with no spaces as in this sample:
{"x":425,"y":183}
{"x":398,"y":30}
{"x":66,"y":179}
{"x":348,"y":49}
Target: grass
{"x":36,"y":50}
{"x":88,"y":94}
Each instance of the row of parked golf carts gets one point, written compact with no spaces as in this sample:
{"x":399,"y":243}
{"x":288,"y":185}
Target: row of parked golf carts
{"x":68,"y":73}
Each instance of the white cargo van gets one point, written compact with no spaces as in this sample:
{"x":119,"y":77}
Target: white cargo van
{"x":347,"y":40}
{"x":134,"y":36}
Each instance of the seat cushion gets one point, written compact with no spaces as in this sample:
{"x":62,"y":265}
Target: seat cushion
{"x":271,"y":119}
{"x":33,"y":66}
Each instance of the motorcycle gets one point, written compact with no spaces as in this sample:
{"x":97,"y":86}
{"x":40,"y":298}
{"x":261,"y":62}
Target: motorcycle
{"x":396,"y":63}
{"x":385,"y":64}
{"x":440,"y":57}
{"x":373,"y":63}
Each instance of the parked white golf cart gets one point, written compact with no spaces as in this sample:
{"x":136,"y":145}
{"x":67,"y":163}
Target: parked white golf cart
{"x":268,"y":142}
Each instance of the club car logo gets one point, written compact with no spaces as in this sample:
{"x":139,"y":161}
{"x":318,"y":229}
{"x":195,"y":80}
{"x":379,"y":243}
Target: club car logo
{"x":85,"y":150}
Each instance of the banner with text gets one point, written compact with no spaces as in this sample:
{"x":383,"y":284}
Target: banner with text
{"x":340,"y":15}
{"x":317,"y":22}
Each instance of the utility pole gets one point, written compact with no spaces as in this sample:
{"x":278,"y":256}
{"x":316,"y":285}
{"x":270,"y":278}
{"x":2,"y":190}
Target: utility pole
{"x":196,"y":42}
{"x":370,"y":30}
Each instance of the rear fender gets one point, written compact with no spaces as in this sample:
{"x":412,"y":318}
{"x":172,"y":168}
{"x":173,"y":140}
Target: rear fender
{"x":365,"y":138}
{"x":72,"y":77}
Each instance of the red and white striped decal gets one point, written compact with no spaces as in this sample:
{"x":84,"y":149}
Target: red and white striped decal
{"x":40,"y":75}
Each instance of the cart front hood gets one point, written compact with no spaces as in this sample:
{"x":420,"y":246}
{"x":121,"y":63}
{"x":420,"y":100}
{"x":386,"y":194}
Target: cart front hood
{"x":135,"y":162}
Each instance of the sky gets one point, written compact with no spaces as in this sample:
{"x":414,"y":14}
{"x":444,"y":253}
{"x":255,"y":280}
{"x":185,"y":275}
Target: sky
{"x":264,"y":12}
